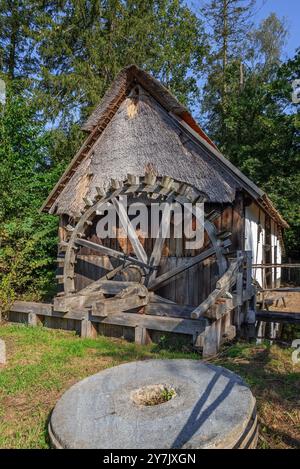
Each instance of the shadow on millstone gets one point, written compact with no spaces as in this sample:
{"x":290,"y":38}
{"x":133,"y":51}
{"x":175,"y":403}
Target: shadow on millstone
{"x":199,"y":413}
{"x":181,"y":404}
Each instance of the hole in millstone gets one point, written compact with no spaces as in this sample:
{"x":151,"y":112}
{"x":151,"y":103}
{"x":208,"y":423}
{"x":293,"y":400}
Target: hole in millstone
{"x":153,"y":394}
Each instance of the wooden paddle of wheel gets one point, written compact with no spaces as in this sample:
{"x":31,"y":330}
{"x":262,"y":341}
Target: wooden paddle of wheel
{"x":132,"y":284}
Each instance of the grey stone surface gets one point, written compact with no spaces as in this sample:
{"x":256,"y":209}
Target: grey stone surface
{"x":212,"y":408}
{"x":2,"y":352}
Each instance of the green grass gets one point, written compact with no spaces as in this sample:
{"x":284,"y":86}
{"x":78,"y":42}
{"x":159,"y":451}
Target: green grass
{"x":43,"y":363}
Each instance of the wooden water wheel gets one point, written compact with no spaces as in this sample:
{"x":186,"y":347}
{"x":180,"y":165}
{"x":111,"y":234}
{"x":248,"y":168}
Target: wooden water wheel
{"x":135,"y":281}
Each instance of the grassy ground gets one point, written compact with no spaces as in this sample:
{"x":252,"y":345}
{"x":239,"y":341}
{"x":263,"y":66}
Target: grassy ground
{"x":43,"y":363}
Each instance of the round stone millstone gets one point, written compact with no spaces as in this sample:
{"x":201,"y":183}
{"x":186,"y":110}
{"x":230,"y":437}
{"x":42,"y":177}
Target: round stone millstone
{"x":200,"y":406}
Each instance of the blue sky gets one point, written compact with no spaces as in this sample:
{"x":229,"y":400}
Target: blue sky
{"x":290,"y":9}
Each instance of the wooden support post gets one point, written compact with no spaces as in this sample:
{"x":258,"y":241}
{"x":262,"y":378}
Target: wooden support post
{"x":88,"y":329}
{"x":34,"y":319}
{"x":141,"y":336}
{"x":2,"y":352}
{"x":229,"y":329}
{"x":211,"y":339}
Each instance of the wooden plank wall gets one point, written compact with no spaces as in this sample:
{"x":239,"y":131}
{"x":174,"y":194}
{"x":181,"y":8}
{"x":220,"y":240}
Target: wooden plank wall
{"x":48,"y":321}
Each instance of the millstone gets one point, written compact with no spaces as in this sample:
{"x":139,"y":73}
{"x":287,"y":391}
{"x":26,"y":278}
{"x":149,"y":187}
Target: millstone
{"x":156,"y":404}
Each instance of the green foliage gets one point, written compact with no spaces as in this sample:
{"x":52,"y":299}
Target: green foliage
{"x":249,"y":110}
{"x":27,"y":238}
{"x":83,"y":45}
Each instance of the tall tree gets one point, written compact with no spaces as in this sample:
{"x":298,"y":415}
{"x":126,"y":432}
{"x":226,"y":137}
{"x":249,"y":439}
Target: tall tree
{"x":85,"y":44}
{"x":268,"y":41}
{"x":229,"y":22}
{"x":18,"y":27}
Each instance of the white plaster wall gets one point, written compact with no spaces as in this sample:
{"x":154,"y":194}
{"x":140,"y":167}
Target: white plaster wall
{"x":255,"y":241}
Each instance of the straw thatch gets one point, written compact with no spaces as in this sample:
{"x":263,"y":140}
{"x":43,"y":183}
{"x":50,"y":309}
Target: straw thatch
{"x":140,"y":136}
{"x":124,"y":82}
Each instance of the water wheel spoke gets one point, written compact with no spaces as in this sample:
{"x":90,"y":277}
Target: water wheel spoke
{"x":110,"y":252}
{"x":168,"y":276}
{"x":160,"y":240}
{"x":130,"y":231}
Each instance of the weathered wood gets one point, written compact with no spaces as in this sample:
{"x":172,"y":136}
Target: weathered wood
{"x":238,"y":223}
{"x":206,"y":304}
{"x":88,"y":201}
{"x":110,"y":252}
{"x":96,"y":291}
{"x":156,"y":323}
{"x":217,"y":310}
{"x":167,"y":182}
{"x":278,"y":316}
{"x":168,"y":310}
{"x":267,"y":266}
{"x":63,"y":245}
{"x":211,"y":339}
{"x":130,"y":231}
{"x":216,"y":334}
{"x":225,"y":282}
{"x":213,"y":215}
{"x":159,"y":242}
{"x":168,"y":276}
{"x":230,"y":275}
{"x":2,"y":352}
{"x":150,"y":179}
{"x":133,"y":180}
{"x":44,"y":309}
{"x":153,"y":298}
{"x":282,"y":289}
{"x":34,"y":320}
{"x":133,"y":297}
{"x":141,"y":336}
{"x":116,"y":305}
{"x":88,"y":329}
{"x":100,"y":192}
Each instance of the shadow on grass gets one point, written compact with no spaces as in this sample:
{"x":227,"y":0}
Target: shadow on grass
{"x":275,"y":383}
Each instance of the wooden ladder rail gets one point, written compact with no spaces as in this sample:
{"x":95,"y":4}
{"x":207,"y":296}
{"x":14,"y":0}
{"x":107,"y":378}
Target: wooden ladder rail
{"x":223,"y":285}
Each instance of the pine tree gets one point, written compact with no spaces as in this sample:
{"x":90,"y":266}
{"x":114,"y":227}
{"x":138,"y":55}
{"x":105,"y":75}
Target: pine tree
{"x":18,"y":28}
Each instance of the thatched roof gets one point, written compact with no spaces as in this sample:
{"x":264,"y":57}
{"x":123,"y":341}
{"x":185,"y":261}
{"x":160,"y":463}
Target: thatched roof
{"x":120,"y":88}
{"x":140,"y":125}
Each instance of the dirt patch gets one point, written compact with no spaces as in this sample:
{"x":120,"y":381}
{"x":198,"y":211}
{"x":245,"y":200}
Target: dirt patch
{"x":292,"y":301}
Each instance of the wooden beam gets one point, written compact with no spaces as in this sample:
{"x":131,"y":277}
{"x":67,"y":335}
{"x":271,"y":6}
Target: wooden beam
{"x":97,"y":284}
{"x":278,"y":316}
{"x":283,"y":289}
{"x":86,"y":297}
{"x":267,"y":266}
{"x":87,"y":329}
{"x":110,"y":252}
{"x":159,"y":242}
{"x":44,"y":309}
{"x":117,"y":305}
{"x":156,"y":323}
{"x":132,"y":235}
{"x":169,"y":310}
{"x":141,"y":336}
{"x":168,"y":276}
{"x":223,"y":285}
